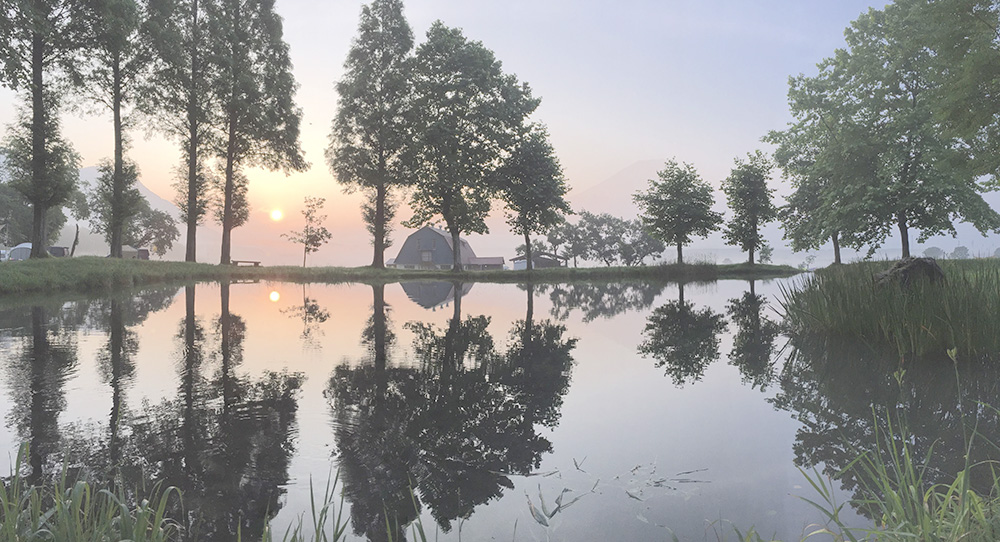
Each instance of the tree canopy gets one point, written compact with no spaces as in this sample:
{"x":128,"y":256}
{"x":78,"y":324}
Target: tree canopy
{"x":371,"y":131}
{"x":750,"y":200}
{"x":678,"y":206}
{"x":467,"y":117}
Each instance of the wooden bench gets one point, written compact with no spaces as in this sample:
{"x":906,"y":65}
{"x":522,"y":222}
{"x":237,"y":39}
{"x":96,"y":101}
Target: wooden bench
{"x":245,"y":262}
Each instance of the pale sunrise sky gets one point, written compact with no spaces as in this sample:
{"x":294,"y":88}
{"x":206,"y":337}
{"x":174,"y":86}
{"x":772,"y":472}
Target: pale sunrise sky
{"x":620,"y":82}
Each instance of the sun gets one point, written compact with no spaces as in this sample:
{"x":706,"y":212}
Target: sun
{"x":274,"y":296}
{"x":277,"y":215}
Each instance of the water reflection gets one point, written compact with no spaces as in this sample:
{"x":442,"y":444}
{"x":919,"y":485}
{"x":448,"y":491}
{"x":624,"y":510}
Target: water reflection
{"x":450,"y":430}
{"x":845,"y":397}
{"x":753,"y":345}
{"x":312,"y":315}
{"x":682,"y":340}
{"x":601,"y":299}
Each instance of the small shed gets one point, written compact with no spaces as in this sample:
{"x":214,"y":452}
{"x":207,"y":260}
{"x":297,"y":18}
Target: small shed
{"x":539,"y":260}
{"x":19,"y":253}
{"x":431,"y":248}
{"x":58,"y":252}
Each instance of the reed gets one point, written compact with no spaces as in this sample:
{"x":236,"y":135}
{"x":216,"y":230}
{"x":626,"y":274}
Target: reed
{"x":923,"y":319}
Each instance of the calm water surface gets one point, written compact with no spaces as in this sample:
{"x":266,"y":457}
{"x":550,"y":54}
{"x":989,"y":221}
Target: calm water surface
{"x":638,"y":408}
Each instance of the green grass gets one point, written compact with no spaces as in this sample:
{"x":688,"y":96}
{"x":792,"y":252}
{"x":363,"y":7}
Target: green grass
{"x":92,"y":274}
{"x":923,"y":320}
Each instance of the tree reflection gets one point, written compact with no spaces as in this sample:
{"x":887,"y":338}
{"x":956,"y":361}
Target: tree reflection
{"x":846,"y":396}
{"x":601,"y":300}
{"x":311,"y":314}
{"x":682,"y":340}
{"x":448,"y":432}
{"x":753,"y":344}
{"x":36,"y":379}
{"x":225,"y":441}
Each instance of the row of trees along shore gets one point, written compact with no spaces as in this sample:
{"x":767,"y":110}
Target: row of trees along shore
{"x":213,"y":74}
{"x":897,"y":131}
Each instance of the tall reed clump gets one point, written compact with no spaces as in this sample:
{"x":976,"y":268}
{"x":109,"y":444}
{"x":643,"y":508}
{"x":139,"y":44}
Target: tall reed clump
{"x":80,"y":513}
{"x":922,"y":319}
{"x":904,"y":505}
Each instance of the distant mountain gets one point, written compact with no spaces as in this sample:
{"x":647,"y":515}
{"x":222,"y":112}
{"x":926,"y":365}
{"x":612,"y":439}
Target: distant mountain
{"x":614,"y":195}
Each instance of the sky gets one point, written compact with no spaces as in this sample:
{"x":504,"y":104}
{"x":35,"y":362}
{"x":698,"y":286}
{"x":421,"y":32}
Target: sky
{"x":620,"y":82}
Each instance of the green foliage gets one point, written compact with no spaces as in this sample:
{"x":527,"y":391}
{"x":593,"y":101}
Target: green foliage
{"x":610,"y":240}
{"x":750,"y":200}
{"x":142,"y":226}
{"x":16,"y":215}
{"x":533,"y":187}
{"x":678,"y":206}
{"x":313,"y":234}
{"x":467,"y":117}
{"x":258,"y":121}
{"x":683,"y":340}
{"x":368,"y":142}
{"x":935,"y":252}
{"x":79,"y":512}
{"x":925,"y":319}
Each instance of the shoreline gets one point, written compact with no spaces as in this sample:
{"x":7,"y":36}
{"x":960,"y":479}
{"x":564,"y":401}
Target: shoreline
{"x":96,"y":275}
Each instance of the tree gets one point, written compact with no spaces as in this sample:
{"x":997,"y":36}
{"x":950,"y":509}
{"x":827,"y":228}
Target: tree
{"x":371,"y":130}
{"x":114,"y":69}
{"x":534,"y":188}
{"x":568,"y":235}
{"x":960,"y":253}
{"x":935,"y":252}
{"x":313,"y":234}
{"x":682,"y":340}
{"x":37,"y":39}
{"x":922,"y":179}
{"x":16,"y":216}
{"x":179,"y":94}
{"x":637,"y":244}
{"x":467,"y":117}
{"x":678,"y":206}
{"x":823,"y":154}
{"x":750,"y":200}
{"x":603,"y":234}
{"x":48,"y":188}
{"x":963,"y":36}
{"x":258,"y":121}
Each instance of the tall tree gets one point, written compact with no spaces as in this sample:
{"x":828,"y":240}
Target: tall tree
{"x":114,"y":70}
{"x":823,"y":154}
{"x":678,"y":206}
{"x":143,"y":226}
{"x":921,"y":178}
{"x":59,"y":172}
{"x":371,"y":131}
{"x":467,"y":117}
{"x":258,"y":121}
{"x":534,"y":188}
{"x":313,"y":234}
{"x":37,"y":39}
{"x":750,"y":200}
{"x":179,"y":94}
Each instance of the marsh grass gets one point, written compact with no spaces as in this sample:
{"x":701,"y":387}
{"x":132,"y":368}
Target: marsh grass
{"x":922,"y":320}
{"x":77,"y":512}
{"x":92,"y":274}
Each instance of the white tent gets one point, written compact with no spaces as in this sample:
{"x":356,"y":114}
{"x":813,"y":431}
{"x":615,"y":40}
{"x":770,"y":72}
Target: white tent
{"x":20,"y":252}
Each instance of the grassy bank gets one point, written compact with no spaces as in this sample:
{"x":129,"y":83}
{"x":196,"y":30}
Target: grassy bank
{"x":92,"y":274}
{"x":924,"y":319}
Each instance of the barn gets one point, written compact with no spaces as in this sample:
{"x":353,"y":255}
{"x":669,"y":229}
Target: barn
{"x":431,"y":248}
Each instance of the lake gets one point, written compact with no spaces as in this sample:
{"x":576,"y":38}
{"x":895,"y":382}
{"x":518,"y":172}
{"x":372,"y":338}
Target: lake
{"x":481,"y":411}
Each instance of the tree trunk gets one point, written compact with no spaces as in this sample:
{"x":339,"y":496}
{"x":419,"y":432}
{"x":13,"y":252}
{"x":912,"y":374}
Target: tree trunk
{"x":227,"y":205}
{"x":38,"y":233}
{"x":118,"y":179}
{"x":305,"y":251}
{"x":378,"y":342}
{"x":38,"y":135}
{"x":527,"y":251}
{"x":750,"y":259}
{"x":456,"y":244}
{"x":76,"y":241}
{"x":680,"y":293}
{"x":680,"y":253}
{"x":378,"y":260}
{"x":904,"y":233}
{"x":836,"y":247}
{"x":193,"y":122}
